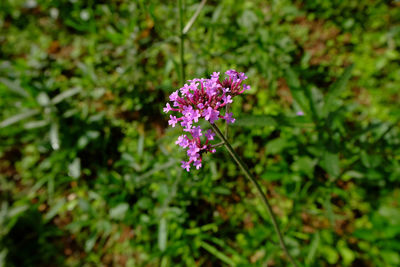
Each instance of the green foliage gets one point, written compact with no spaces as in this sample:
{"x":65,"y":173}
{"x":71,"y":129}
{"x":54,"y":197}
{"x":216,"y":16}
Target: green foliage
{"x":89,"y":172}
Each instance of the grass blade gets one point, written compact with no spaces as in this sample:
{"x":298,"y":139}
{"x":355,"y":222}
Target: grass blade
{"x":336,"y":89}
{"x":14,"y":86}
{"x":54,"y":137}
{"x":16,"y":118}
{"x":313,"y":249}
{"x":193,"y":19}
{"x":214,"y":251}
{"x":64,"y":95}
{"x":162,"y":234}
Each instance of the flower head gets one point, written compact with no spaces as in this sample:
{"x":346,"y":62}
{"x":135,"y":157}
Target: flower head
{"x":203,"y":98}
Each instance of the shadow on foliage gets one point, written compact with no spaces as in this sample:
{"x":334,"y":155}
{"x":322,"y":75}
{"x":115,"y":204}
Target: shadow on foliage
{"x":32,"y":242}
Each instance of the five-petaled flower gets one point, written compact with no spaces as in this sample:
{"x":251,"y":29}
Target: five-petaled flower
{"x":203,"y":98}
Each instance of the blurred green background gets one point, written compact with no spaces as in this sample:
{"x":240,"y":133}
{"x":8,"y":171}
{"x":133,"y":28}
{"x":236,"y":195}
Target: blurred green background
{"x":90,"y":174}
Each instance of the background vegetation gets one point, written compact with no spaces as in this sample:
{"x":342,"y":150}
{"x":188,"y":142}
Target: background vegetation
{"x":90,"y":175}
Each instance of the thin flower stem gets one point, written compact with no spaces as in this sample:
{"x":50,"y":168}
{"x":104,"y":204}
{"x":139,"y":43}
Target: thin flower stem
{"x":181,"y":44}
{"x":226,"y":125}
{"x":247,"y":173}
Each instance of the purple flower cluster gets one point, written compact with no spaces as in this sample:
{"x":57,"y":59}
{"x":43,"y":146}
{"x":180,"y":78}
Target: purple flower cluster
{"x":203,"y":98}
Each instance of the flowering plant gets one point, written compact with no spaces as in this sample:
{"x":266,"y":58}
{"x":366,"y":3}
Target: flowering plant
{"x":203,"y":98}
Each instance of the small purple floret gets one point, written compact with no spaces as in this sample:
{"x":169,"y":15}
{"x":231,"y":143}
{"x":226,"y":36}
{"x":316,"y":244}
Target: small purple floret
{"x":182,"y":141}
{"x":228,"y":118}
{"x":174,"y":96}
{"x":196,"y":132}
{"x":209,"y":134}
{"x":185,"y":165}
{"x":172,"y":120}
{"x":197,"y":164}
{"x":210,"y":114}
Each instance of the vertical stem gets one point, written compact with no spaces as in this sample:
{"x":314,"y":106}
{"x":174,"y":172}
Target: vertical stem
{"x":261,"y":194}
{"x":181,"y":44}
{"x":226,"y":125}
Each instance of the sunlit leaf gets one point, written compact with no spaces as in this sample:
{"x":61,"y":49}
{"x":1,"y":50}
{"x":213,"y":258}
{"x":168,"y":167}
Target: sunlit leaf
{"x":162,"y":234}
{"x":18,"y":117}
{"x":119,"y":212}
{"x":54,"y":136}
{"x":64,"y":95}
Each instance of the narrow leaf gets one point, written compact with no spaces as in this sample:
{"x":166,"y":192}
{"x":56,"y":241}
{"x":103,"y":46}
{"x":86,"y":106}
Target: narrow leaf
{"x":54,"y":137}
{"x":292,"y":79}
{"x":298,"y":94}
{"x":119,"y":212}
{"x":35,"y":124}
{"x":214,"y":251}
{"x":332,"y":163}
{"x":193,"y":19}
{"x":64,"y":95}
{"x":54,"y":210}
{"x":313,"y":249}
{"x":14,"y":86}
{"x":74,"y":169}
{"x":162,"y":234}
{"x":336,"y":89}
{"x":18,"y":117}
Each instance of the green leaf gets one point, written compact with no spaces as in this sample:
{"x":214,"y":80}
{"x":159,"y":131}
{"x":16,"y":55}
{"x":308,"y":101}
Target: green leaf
{"x":162,"y":234}
{"x":35,"y":124}
{"x":54,"y":137}
{"x":277,"y":145}
{"x":329,"y":209}
{"x":64,"y":95}
{"x":89,"y":244}
{"x":16,"y":118}
{"x":297,"y":92}
{"x":55,"y":209}
{"x":292,"y":79}
{"x":335,"y":90}
{"x":221,"y":190}
{"x":74,"y":169}
{"x":272,"y":175}
{"x":330,"y":254}
{"x":217,"y":253}
{"x":331,"y":163}
{"x":43,"y":99}
{"x":347,"y":254}
{"x":313,"y":249}
{"x":15,"y":211}
{"x":119,"y":212}
{"x":14,"y":86}
{"x":3,"y":257}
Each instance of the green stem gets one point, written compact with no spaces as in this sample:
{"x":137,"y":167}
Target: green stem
{"x":181,"y":44}
{"x":247,"y":173}
{"x":226,"y":125}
